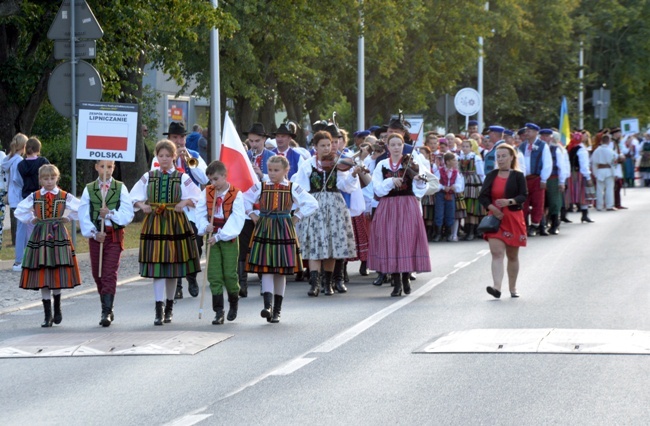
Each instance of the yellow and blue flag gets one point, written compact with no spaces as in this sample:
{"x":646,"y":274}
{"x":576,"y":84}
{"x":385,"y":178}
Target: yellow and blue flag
{"x":565,"y":128}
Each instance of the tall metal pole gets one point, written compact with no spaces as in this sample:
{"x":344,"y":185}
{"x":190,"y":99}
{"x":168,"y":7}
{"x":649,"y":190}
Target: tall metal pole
{"x":602,"y":109}
{"x":581,"y":96}
{"x":480,"y":77}
{"x":446,"y":113}
{"x":361,"y":95}
{"x":215,"y":93}
{"x":73,"y":115}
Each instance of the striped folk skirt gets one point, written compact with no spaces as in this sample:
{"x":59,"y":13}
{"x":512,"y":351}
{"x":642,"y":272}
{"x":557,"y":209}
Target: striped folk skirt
{"x":167,"y":245}
{"x":577,"y":191}
{"x":360,"y":226}
{"x":461,"y":207}
{"x":472,"y":190}
{"x":428,"y":208}
{"x":398,"y":241}
{"x":49,"y":260}
{"x":274,"y":247}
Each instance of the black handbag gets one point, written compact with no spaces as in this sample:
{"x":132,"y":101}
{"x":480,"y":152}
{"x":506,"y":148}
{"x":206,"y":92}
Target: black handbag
{"x":489,"y":224}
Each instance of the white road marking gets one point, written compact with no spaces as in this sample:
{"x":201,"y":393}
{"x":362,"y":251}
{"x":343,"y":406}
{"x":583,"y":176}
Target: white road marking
{"x":292,"y":366}
{"x":190,"y":419}
{"x":352,"y":332}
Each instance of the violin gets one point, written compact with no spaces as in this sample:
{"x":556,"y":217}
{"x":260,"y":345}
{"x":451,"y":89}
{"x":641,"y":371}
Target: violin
{"x":330,"y":160}
{"x":412,"y":168}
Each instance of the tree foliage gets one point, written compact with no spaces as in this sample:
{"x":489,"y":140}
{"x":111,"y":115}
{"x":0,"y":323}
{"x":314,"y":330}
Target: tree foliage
{"x":300,"y":56}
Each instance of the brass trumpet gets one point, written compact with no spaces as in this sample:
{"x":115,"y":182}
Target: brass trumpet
{"x":189,"y":160}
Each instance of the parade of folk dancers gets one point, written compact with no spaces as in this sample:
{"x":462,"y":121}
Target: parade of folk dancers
{"x":312,"y":210}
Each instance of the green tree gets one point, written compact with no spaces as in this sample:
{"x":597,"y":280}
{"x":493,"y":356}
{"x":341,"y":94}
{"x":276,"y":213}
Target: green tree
{"x":135,"y":33}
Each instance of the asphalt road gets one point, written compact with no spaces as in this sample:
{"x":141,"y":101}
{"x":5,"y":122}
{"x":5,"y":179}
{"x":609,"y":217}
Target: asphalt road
{"x":354,"y":358}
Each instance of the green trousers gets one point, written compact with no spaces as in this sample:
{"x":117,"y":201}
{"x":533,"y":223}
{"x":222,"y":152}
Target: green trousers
{"x":553,"y":196}
{"x":222,"y":267}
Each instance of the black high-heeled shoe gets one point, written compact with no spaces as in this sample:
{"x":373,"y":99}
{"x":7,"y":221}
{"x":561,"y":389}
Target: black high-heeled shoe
{"x":493,"y":292}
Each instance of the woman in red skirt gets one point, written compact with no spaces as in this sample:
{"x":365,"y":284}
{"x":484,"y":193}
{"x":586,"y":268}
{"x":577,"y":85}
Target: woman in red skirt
{"x":398,"y":240}
{"x":503,"y":193}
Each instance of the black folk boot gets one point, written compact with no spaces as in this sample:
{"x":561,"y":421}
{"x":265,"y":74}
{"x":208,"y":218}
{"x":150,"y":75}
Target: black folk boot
{"x":268,"y":306}
{"x":585,"y":216}
{"x":563,"y":216}
{"x":346,"y":278}
{"x":169,"y":311}
{"x":217,"y":307}
{"x":314,"y":284}
{"x":406,"y":282}
{"x":105,"y":320}
{"x":327,"y":282}
{"x":160,"y":306}
{"x":338,"y":277}
{"x":470,"y":232}
{"x":437,"y":236}
{"x":541,"y":230}
{"x":179,"y":289}
{"x":397,"y":285}
{"x":555,"y":225}
{"x":243,"y":280}
{"x":381,"y":278}
{"x":58,"y":315}
{"x":277,"y":307}
{"x":233,"y":301}
{"x":47,"y":308}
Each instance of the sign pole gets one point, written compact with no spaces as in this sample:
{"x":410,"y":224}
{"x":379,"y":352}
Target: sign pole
{"x":602,"y":104}
{"x":73,"y":115}
{"x":215,"y":93}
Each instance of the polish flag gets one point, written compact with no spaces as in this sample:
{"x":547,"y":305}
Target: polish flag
{"x":108,"y":136}
{"x":233,"y":155}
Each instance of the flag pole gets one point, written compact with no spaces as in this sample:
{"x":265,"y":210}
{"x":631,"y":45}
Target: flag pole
{"x":207,"y":251}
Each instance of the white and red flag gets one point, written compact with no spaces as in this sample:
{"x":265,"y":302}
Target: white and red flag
{"x":233,"y":155}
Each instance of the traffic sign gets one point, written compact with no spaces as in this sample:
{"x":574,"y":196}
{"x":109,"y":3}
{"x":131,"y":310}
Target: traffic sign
{"x":467,"y":101}
{"x":440,"y":105}
{"x":85,"y":23}
{"x":83,"y":49}
{"x":59,"y":87}
{"x":601,"y":99}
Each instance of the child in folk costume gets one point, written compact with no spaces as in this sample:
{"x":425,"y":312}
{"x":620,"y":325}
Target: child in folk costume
{"x":168,"y":248}
{"x":327,"y":235}
{"x":398,"y":244}
{"x":105,"y":200}
{"x":461,"y":208}
{"x":644,"y":164}
{"x":221,"y":212}
{"x":471,"y":167}
{"x":274,"y":250}
{"x":49,"y":262}
{"x":451,"y":183}
{"x":580,"y":185}
{"x":428,"y":201}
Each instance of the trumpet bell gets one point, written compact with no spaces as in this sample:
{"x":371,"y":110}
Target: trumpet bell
{"x":189,"y":160}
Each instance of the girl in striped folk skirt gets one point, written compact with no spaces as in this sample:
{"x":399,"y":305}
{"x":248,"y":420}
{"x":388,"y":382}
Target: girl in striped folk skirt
{"x":49,"y":263}
{"x":168,"y":248}
{"x":274,"y":250}
{"x":471,"y":166}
